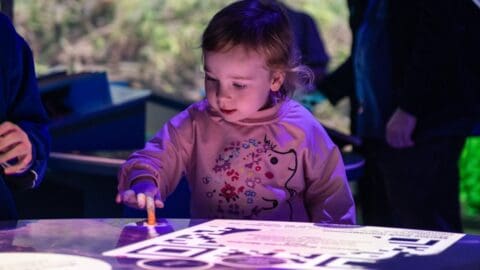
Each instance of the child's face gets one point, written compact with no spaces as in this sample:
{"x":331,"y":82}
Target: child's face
{"x":238,"y":82}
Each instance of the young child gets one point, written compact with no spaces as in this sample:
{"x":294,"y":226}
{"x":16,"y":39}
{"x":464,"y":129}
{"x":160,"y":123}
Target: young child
{"x":247,"y":150}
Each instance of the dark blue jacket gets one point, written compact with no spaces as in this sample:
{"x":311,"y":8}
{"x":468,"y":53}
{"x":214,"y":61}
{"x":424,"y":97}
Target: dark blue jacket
{"x":440,"y":85}
{"x":20,"y":103}
{"x":436,"y":63}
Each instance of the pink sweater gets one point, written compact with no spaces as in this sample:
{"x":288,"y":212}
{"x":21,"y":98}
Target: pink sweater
{"x":280,"y":165}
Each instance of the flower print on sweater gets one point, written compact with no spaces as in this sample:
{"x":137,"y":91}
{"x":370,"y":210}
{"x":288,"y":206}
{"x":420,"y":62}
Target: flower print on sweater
{"x":249,"y":177}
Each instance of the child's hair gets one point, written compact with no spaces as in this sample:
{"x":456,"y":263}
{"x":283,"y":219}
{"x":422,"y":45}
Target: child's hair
{"x":263,"y":26}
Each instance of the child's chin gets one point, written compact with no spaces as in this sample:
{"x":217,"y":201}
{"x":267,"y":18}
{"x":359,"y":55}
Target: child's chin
{"x":231,"y":118}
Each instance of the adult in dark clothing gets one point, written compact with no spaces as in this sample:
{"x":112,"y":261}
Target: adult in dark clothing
{"x":340,"y":83}
{"x":24,"y":141}
{"x":417,"y":83}
{"x":309,"y":41}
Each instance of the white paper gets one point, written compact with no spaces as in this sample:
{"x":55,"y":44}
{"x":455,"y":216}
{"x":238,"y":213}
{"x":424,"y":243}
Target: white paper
{"x":285,"y":245}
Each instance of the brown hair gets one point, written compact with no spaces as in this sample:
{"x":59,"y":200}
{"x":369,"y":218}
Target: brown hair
{"x":263,"y":26}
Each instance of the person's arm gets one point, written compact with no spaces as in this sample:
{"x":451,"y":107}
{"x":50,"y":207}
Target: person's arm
{"x":328,"y":197}
{"x":427,"y":53}
{"x":339,"y":83}
{"x":25,"y":110}
{"x":156,"y":170}
{"x":420,"y":55}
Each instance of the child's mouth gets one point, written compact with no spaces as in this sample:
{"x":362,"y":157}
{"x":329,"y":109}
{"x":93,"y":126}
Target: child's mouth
{"x":227,"y":111}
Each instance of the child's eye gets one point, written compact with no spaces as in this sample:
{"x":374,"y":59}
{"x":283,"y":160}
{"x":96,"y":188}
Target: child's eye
{"x":239,"y":86}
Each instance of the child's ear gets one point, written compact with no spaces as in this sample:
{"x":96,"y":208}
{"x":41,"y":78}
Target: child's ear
{"x":277,"y":80}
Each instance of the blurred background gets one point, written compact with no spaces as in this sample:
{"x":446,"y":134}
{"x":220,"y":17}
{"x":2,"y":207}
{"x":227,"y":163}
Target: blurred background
{"x":155,"y":44}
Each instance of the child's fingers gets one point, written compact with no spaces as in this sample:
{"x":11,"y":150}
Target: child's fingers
{"x":138,"y":200}
{"x":141,"y":200}
{"x":129,"y":198}
{"x":159,"y":203}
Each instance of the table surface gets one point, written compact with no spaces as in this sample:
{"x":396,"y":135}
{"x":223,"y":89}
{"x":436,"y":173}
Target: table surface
{"x":92,"y":237}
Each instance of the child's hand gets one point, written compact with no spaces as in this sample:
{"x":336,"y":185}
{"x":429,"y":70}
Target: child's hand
{"x":136,"y":196}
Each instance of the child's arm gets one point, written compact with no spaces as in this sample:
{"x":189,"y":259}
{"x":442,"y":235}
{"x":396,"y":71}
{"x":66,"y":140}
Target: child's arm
{"x":328,"y":197}
{"x":156,"y":169}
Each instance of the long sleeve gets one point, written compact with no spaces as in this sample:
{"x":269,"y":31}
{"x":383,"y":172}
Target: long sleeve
{"x":435,"y":63}
{"x":328,"y":198}
{"x":23,"y":105}
{"x":163,"y":159}
{"x":339,"y":83}
{"x":421,"y":51}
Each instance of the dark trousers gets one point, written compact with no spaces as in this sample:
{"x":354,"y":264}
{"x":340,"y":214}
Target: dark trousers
{"x":416,"y":187}
{"x":7,"y":204}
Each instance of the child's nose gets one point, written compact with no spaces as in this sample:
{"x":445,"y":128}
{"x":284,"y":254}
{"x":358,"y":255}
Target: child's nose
{"x":223,"y":92}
